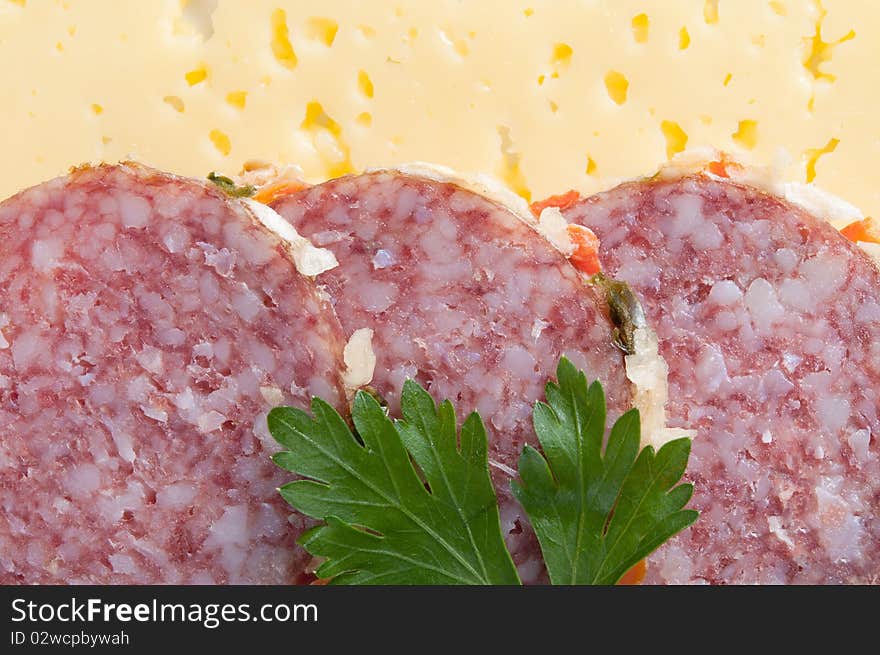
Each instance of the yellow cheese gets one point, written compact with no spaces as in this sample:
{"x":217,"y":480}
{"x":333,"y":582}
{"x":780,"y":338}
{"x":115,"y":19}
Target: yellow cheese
{"x":545,"y":95}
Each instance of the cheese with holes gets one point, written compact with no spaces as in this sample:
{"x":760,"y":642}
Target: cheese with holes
{"x":545,"y":95}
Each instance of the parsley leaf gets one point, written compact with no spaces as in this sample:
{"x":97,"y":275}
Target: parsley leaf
{"x":597,"y":514}
{"x":387,"y":522}
{"x":410,"y":501}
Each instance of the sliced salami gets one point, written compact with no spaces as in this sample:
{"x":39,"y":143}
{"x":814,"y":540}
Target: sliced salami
{"x":769,"y":321}
{"x":147,"y":324}
{"x":464,"y":297}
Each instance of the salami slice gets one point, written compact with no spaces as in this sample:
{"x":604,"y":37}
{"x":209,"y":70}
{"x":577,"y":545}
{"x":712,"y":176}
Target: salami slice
{"x":464,"y":297}
{"x":147,"y":324}
{"x":769,"y":321}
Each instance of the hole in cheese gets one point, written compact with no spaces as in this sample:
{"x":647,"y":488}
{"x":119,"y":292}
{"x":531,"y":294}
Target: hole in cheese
{"x":813,"y":155}
{"x":820,"y":51}
{"x":684,"y":38}
{"x":237,"y":99}
{"x":617,"y":86}
{"x":710,"y":12}
{"x":316,"y":117}
{"x":221,"y":142}
{"x":323,"y":30}
{"x":196,"y":18}
{"x":676,"y":138}
{"x":561,"y":56}
{"x":174,"y":102}
{"x":746,"y":134}
{"x":591,"y":166}
{"x":459,"y":46}
{"x":509,"y":169}
{"x":640,"y":26}
{"x":281,"y":46}
{"x":197,"y":75}
{"x":97,"y":109}
{"x":365,"y":84}
{"x":327,"y":138}
{"x":365,"y":119}
{"x":778,"y":8}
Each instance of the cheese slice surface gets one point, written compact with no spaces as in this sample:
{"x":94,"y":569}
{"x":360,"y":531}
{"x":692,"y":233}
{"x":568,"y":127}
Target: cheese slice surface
{"x":546,"y":96}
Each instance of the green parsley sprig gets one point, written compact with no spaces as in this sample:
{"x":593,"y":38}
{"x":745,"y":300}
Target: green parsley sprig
{"x":410,"y":500}
{"x":597,"y":514}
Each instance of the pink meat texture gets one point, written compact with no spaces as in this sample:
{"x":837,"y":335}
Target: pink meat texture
{"x":770,"y":322}
{"x":467,"y":299}
{"x":147,"y":325}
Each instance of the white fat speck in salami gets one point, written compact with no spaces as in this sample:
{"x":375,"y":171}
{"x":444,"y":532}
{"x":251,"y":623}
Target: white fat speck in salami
{"x":360,"y":360}
{"x":309,"y":260}
{"x":465,"y":297}
{"x":769,"y":322}
{"x":151,"y":323}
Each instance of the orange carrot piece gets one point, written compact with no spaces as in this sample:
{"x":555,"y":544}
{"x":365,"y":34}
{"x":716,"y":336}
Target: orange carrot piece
{"x":865,"y":230}
{"x":635,"y":575}
{"x":562,"y":202}
{"x":272,"y":192}
{"x":718,"y":168}
{"x":585,"y":257}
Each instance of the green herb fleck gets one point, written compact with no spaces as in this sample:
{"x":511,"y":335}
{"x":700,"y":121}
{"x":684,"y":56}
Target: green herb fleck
{"x":230,"y":187}
{"x":626,"y":311}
